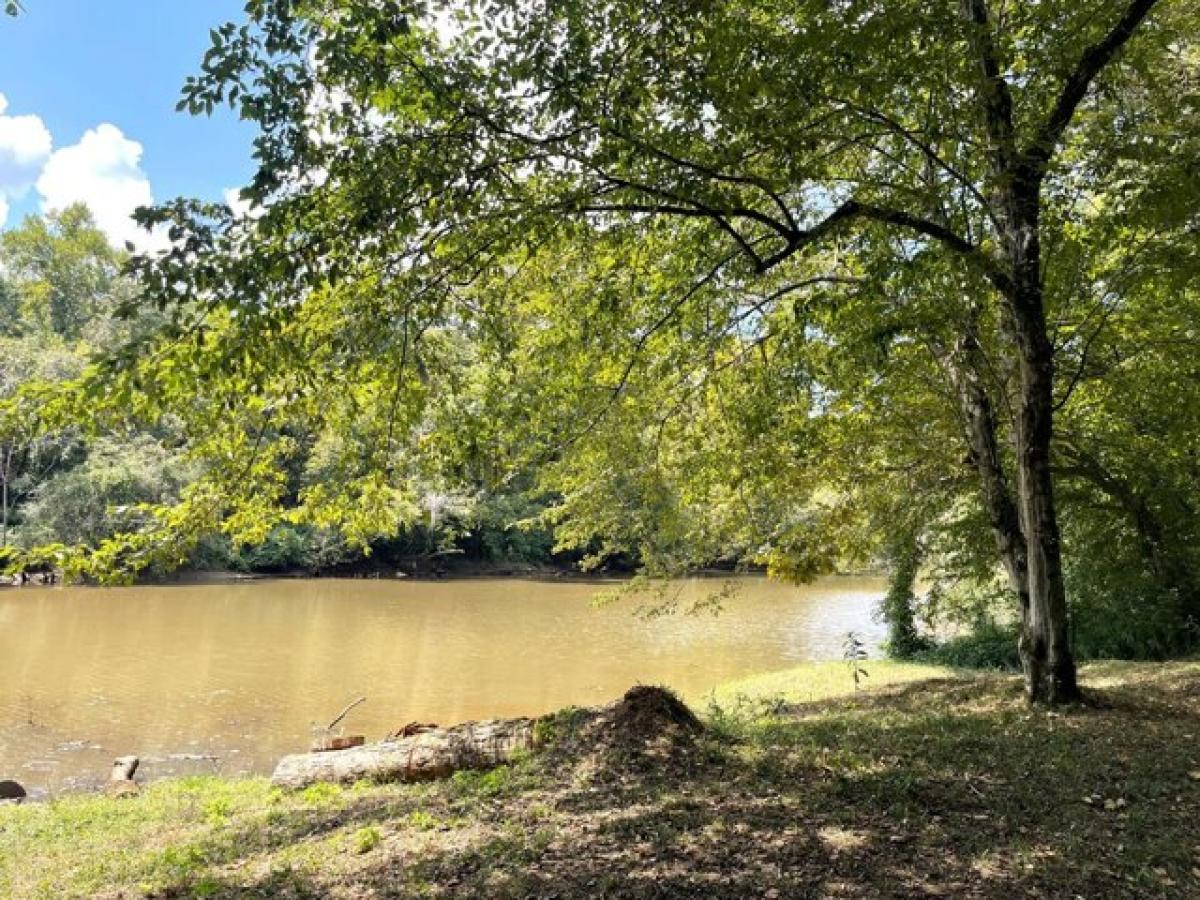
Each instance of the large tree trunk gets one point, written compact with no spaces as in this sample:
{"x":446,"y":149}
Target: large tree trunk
{"x":1045,"y":649}
{"x":1016,"y":185}
{"x":1045,"y":641}
{"x":1045,"y":638}
{"x":979,"y":423}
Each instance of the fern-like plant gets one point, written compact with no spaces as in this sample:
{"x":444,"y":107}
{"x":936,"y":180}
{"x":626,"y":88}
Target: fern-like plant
{"x":855,"y":654}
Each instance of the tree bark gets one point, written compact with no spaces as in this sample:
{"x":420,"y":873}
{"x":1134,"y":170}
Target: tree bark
{"x":1045,"y":641}
{"x":979,"y":423}
{"x":1045,"y":637}
{"x":422,"y":757}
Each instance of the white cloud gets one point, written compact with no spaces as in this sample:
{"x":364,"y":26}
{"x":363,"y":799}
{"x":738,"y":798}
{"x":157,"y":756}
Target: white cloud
{"x":104,"y":171}
{"x":233,"y":199}
{"x":25,"y":145}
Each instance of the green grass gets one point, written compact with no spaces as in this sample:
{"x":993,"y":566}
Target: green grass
{"x":818,"y":681}
{"x":914,"y":787}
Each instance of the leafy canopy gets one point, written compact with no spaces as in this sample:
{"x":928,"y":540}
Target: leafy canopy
{"x":694,"y":262}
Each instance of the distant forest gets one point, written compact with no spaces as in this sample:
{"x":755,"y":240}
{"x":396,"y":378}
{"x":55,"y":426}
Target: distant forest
{"x":64,"y":302}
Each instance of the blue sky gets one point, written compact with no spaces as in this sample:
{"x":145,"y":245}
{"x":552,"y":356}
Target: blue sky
{"x":88,"y":111}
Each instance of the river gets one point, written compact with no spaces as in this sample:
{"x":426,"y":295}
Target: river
{"x":226,"y":677}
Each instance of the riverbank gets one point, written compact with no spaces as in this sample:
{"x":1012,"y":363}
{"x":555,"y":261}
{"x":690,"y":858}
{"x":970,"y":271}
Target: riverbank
{"x":415,"y":569}
{"x":947,"y":786}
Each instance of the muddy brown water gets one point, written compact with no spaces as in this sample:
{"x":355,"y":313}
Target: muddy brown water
{"x":227,"y":677}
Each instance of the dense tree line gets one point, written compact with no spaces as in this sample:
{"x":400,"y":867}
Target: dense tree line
{"x":64,"y":302}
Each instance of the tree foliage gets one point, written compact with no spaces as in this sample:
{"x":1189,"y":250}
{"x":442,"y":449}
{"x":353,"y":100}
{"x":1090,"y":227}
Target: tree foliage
{"x":61,"y":274}
{"x":736,"y":280}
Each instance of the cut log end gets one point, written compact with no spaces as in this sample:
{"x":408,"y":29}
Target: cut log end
{"x":123,"y":768}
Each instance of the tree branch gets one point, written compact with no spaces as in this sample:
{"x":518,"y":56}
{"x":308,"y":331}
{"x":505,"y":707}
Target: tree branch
{"x":948,"y":238}
{"x":847,"y":212}
{"x":668,"y":209}
{"x":724,"y":212}
{"x":924,"y":146}
{"x":1094,"y":59}
{"x":997,"y":98}
{"x":712,"y":173}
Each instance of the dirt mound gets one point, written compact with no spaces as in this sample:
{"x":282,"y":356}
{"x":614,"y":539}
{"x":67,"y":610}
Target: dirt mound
{"x":647,"y":713}
{"x":647,"y":730}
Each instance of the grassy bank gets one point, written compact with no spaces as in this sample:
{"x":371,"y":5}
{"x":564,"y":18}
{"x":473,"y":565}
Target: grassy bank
{"x":926,"y":784}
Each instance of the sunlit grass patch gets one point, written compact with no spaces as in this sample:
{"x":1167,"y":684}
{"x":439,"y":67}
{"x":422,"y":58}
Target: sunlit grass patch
{"x":813,"y":682}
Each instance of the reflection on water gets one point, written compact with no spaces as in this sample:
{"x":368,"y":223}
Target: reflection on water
{"x":227,"y":677}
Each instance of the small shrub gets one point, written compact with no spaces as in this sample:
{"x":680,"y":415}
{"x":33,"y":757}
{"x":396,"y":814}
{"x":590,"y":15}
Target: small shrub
{"x":367,"y":839}
{"x":550,"y":729}
{"x":207,"y":886}
{"x":181,"y":863}
{"x":989,"y":646}
{"x":855,"y":655}
{"x":492,"y":783}
{"x":733,"y":721}
{"x":218,"y":810}
{"x":421,"y":820}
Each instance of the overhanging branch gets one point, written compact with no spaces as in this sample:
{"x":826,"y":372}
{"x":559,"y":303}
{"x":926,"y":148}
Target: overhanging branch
{"x":841,"y":216}
{"x":954,"y":242}
{"x":1094,"y":59}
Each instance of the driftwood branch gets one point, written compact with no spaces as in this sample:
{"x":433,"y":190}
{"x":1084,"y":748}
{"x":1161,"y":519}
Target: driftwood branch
{"x":345,"y":712}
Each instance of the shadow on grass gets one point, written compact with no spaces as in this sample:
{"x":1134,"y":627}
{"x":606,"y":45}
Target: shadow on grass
{"x":953,"y":790}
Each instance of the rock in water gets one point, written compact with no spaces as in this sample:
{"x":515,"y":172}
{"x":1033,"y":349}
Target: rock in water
{"x":11,"y":792}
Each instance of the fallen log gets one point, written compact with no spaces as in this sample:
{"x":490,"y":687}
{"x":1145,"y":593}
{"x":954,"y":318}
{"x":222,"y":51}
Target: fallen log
{"x":648,"y":727}
{"x":419,"y":757}
{"x":326,"y":744}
